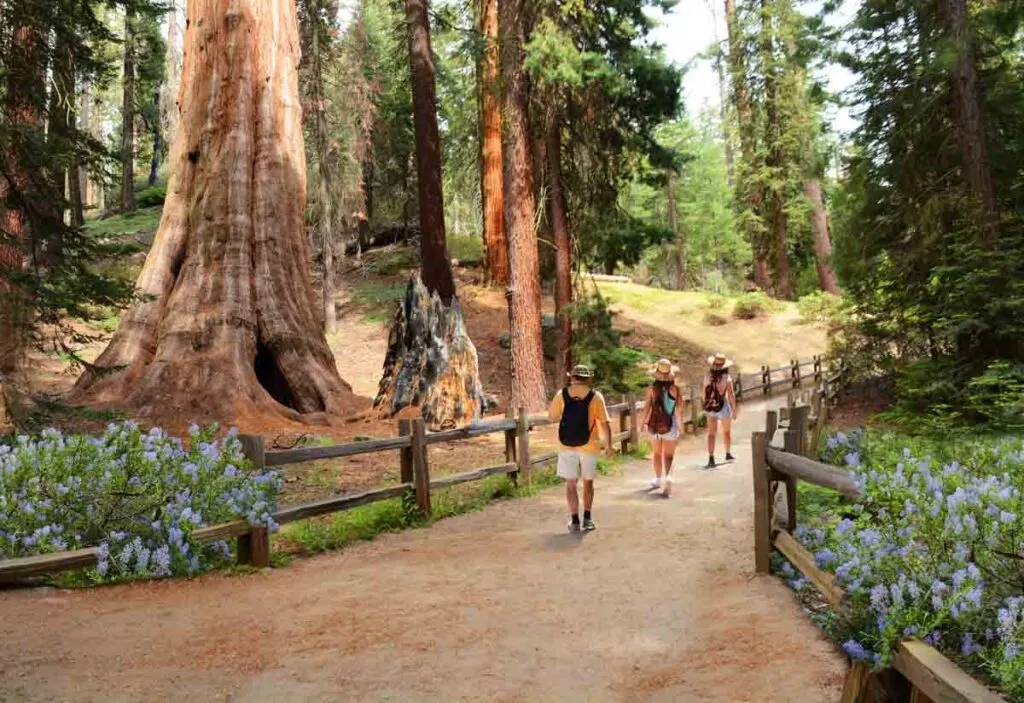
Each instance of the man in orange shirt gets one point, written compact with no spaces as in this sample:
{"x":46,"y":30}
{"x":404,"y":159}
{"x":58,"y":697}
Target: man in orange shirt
{"x":582,"y":417}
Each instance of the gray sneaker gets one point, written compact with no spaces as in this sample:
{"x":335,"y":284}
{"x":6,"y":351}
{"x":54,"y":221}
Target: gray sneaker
{"x":588,"y":525}
{"x":574,"y":526}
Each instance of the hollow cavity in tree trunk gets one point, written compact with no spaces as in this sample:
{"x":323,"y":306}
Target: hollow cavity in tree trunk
{"x":431,"y":363}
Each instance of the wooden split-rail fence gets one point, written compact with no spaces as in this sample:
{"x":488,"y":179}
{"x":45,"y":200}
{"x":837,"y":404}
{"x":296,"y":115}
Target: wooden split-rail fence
{"x":918,"y":668}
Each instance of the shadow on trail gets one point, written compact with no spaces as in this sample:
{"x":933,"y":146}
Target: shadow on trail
{"x":565,"y":541}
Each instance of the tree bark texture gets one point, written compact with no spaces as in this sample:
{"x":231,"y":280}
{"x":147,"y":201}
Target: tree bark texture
{"x":528,"y":387}
{"x":128,"y":116}
{"x":969,"y":112}
{"x":822,"y":239}
{"x":172,"y":82}
{"x":230,"y":331}
{"x":431,"y":363}
{"x":85,"y":186}
{"x":563,"y":247}
{"x":495,"y":243}
{"x":154,"y":164}
{"x":325,"y":157}
{"x":63,"y":109}
{"x":750,"y":194}
{"x":435,"y":266}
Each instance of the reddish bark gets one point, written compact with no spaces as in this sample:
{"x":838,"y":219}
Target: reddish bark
{"x":230,"y":332}
{"x":777,"y":219}
{"x":822,"y":240}
{"x":434,"y":264}
{"x":563,"y":246}
{"x":490,"y":145}
{"x":528,"y":388}
{"x":128,"y":115}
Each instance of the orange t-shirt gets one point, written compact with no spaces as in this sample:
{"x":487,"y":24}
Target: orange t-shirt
{"x":597,"y":417}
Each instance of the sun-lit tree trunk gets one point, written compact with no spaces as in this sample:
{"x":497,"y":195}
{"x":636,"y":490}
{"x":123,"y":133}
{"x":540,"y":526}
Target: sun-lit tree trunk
{"x":63,"y":109}
{"x":678,"y":236}
{"x":172,"y":82}
{"x":128,"y":115}
{"x":970,"y":115}
{"x":528,"y":387}
{"x":562,"y":243}
{"x":822,"y":239}
{"x":495,"y":244}
{"x":154,"y":163}
{"x":228,"y":330}
{"x":750,"y":194}
{"x":777,"y":219}
{"x":85,"y":186}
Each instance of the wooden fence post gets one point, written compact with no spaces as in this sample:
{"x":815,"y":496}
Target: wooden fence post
{"x":794,"y":371}
{"x":798,"y":418}
{"x":624,"y":426}
{"x":762,"y":517}
{"x":817,"y":368}
{"x":510,"y":442}
{"x":523,"y":437}
{"x":254,"y":548}
{"x":738,"y":388}
{"x":634,"y":426}
{"x":791,"y":443}
{"x":771,"y":424}
{"x":766,"y":380}
{"x":421,"y":467}
{"x":405,"y":454}
{"x":694,"y":407}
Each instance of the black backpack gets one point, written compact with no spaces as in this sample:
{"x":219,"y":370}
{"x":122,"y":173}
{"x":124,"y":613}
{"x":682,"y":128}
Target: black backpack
{"x":574,"y":428}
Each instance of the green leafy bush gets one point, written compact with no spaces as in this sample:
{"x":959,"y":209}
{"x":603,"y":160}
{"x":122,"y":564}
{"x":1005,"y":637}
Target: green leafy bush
{"x":930,"y":550}
{"x":751,"y":306}
{"x":136,"y":496}
{"x":820,"y":306}
{"x":716,"y":302}
{"x":151,"y":197}
{"x":597,"y":343}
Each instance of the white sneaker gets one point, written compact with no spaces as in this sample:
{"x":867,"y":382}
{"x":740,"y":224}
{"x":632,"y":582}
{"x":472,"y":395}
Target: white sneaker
{"x":656,"y":482}
{"x":668,"y":485}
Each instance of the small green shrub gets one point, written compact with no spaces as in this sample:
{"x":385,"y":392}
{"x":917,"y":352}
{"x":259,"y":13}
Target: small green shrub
{"x":820,"y":306}
{"x":715,"y":302}
{"x":597,"y":343}
{"x":151,"y":197}
{"x":751,"y":306}
{"x":466,"y":249}
{"x":713,"y":319}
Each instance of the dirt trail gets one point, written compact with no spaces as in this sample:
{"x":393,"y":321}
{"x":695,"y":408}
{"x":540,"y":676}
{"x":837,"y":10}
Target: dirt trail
{"x":660,"y":603}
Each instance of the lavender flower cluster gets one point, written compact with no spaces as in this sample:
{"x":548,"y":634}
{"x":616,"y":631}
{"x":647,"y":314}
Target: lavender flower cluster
{"x":932,"y":550}
{"x":135,"y":495}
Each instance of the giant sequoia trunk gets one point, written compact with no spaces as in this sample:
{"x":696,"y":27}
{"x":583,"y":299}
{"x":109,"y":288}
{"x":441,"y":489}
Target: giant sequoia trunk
{"x":750,"y":194}
{"x":172,"y":82}
{"x":490,"y":147}
{"x":229,"y":331}
{"x":822,"y":240}
{"x":777,"y":219}
{"x":528,"y":390}
{"x":431,"y":362}
{"x":970,"y":115}
{"x":62,"y":122}
{"x":563,"y":247}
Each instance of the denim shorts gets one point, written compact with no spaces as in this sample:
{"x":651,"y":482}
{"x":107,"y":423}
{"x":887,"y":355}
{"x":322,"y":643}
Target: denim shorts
{"x":724,"y":414}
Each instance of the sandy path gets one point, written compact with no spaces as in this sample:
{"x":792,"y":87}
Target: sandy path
{"x":502,"y":605}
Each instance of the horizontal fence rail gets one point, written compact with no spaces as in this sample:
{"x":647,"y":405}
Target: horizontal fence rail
{"x":932,"y":676}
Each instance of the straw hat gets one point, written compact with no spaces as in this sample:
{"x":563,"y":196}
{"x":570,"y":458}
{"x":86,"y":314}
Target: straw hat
{"x":580,"y":371}
{"x":719,"y":361}
{"x":664,"y":370}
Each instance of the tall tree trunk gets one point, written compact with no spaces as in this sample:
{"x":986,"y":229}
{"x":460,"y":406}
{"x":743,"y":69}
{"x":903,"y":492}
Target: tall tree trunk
{"x":431,"y":362}
{"x":154,"y":163}
{"x":172,"y":83}
{"x":723,"y":116}
{"x":63,"y":108}
{"x":678,"y":237}
{"x":777,"y":218}
{"x":325,"y":158}
{"x":85,"y":186}
{"x":750,"y":194}
{"x":228,"y":329}
{"x":563,"y":246}
{"x":528,"y":387}
{"x":970,"y":114}
{"x":434,"y":264}
{"x":128,"y":115}
{"x":495,"y":243}
{"x":822,"y":240}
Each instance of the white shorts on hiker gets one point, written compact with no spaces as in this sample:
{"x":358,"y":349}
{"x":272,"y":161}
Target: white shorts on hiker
{"x":724,"y":414}
{"x":571,"y":464}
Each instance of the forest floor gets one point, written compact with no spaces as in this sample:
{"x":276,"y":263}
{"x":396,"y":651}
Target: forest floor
{"x":659,"y":604}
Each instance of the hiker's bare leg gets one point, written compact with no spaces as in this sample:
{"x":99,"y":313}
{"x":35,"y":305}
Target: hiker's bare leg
{"x":668,"y":454}
{"x":588,"y":494}
{"x":712,"y":431}
{"x":656,"y":457}
{"x":727,"y":433}
{"x":572,"y":497}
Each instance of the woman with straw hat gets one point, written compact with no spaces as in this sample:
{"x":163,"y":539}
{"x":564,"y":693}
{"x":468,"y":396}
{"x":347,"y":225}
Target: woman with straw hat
{"x":662,"y":421}
{"x":720,"y":405}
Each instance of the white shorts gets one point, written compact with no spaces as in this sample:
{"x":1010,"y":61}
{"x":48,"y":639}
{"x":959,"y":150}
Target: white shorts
{"x":670,"y":436}
{"x":571,"y":463}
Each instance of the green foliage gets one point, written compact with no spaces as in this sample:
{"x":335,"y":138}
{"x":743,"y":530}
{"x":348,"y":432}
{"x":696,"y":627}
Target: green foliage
{"x":378,"y":300}
{"x":359,"y":524}
{"x":929,"y":550}
{"x":820,"y":306}
{"x":466,"y":249}
{"x":751,"y":306}
{"x":153,"y":196}
{"x":716,"y":302}
{"x":136,"y":496}
{"x":597,"y":343}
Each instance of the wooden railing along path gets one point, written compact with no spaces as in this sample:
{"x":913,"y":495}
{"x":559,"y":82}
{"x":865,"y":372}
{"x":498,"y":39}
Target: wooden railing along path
{"x":931,"y":676}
